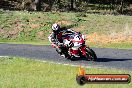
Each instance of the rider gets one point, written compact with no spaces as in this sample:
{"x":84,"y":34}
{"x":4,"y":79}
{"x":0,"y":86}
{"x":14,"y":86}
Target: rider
{"x":56,"y":37}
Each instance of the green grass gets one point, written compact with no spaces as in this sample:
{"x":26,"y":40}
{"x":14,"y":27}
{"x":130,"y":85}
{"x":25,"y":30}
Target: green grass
{"x":92,"y":22}
{"x":25,"y":42}
{"x":31,"y":27}
{"x":122,"y":45}
{"x":16,"y":72}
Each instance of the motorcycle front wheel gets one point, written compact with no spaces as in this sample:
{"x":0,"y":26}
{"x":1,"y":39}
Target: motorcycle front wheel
{"x":90,"y":54}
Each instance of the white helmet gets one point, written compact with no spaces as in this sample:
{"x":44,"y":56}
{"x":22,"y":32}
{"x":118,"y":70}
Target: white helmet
{"x":55,"y":27}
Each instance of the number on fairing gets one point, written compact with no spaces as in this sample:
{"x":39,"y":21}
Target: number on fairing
{"x":77,"y":38}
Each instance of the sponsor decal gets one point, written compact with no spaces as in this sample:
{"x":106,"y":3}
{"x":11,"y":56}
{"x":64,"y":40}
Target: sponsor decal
{"x":83,"y":78}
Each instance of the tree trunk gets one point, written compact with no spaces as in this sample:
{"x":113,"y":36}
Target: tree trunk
{"x":38,"y":4}
{"x":72,"y":2}
{"x":121,"y":8}
{"x":59,"y":4}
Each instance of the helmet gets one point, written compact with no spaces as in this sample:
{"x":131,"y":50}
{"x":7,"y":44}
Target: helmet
{"x":55,"y":27}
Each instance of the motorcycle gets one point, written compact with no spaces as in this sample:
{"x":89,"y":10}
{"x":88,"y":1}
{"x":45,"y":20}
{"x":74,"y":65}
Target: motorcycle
{"x":74,"y":46}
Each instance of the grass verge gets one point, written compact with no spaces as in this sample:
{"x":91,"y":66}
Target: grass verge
{"x":16,"y":72}
{"x":25,"y":42}
{"x":120,"y":45}
{"x":24,"y":27}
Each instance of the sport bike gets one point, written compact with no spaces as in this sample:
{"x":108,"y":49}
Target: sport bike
{"x":74,"y":46}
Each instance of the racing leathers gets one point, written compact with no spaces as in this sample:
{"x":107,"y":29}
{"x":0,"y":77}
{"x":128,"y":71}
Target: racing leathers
{"x":56,"y":38}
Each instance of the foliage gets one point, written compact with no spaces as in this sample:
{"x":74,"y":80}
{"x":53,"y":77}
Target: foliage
{"x":80,"y":14}
{"x":67,"y":5}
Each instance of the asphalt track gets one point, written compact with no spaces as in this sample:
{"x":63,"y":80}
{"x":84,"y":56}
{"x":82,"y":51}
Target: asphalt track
{"x":108,"y":58}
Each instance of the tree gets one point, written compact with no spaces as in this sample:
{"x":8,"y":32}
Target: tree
{"x":58,"y":2}
{"x":72,"y":4}
{"x":38,"y":4}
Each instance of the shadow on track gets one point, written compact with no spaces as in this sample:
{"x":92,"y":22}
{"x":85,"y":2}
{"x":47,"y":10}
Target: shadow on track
{"x":110,"y":59}
{"x":101,"y":59}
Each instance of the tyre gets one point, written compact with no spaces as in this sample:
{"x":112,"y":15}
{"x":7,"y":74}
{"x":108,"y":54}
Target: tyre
{"x":90,"y":54}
